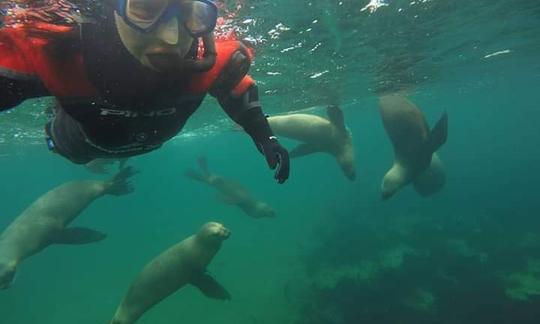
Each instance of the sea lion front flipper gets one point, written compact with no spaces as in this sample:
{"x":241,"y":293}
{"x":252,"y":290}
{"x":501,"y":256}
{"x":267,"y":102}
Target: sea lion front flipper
{"x":335,"y":115}
{"x":437,"y":136}
{"x":77,"y":236}
{"x":303,"y":149}
{"x":210,"y":287}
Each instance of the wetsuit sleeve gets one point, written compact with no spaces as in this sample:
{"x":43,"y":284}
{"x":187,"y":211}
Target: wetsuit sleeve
{"x":239,"y":97}
{"x":17,"y":78}
{"x":15,"y":91}
{"x":246,"y":111}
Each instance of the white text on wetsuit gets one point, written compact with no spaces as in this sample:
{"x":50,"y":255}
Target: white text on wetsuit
{"x":134,"y":114}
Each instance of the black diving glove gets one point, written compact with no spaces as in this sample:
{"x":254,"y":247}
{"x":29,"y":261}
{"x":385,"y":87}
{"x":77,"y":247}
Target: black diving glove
{"x":276,"y":156}
{"x":247,"y":112}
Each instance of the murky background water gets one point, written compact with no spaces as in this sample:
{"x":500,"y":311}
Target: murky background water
{"x":335,"y":253}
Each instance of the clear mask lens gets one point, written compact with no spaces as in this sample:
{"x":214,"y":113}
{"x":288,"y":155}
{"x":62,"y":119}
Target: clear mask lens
{"x":145,"y":13}
{"x":198,"y":17}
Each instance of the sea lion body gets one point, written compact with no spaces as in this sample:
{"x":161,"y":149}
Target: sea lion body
{"x":318,"y":134}
{"x":44,"y":222}
{"x":232,"y":192}
{"x":413,"y":142}
{"x":184,"y":263}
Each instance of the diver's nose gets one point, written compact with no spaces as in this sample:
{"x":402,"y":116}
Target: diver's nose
{"x":169,"y":32}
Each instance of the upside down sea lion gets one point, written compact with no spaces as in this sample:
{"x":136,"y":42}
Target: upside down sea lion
{"x":45,"y":221}
{"x":183,"y":263}
{"x":319,"y":135}
{"x":414,"y":143}
{"x":231,"y":192}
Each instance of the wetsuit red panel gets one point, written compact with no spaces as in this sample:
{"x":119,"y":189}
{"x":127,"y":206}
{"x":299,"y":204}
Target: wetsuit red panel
{"x":224,"y":49}
{"x":40,"y":46}
{"x":13,"y":60}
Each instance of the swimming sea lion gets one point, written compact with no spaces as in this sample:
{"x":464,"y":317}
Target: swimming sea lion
{"x":45,"y":221}
{"x":231,"y":192}
{"x":414,"y":144}
{"x":319,"y":135}
{"x":184,"y":263}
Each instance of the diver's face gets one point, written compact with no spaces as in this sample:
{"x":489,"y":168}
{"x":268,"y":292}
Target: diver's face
{"x":160,"y":49}
{"x":7,"y":274}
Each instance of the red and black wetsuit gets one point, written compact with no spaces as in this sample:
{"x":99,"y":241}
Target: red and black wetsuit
{"x":108,"y":104}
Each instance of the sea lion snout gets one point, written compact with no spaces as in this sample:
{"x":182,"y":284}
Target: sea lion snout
{"x":216,"y":230}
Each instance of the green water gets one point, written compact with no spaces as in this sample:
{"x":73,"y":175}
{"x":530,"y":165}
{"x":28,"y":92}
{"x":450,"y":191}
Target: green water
{"x":335,"y":253}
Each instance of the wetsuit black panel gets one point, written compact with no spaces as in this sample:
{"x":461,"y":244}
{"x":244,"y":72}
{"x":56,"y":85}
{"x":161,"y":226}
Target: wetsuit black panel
{"x":85,"y":129}
{"x":246,"y":111}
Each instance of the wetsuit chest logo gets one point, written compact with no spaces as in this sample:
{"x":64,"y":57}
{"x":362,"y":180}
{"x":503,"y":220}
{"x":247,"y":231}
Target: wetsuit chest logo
{"x":135,"y":114}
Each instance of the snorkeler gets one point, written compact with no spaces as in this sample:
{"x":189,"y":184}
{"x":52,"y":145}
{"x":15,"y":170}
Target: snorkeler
{"x":127,"y":77}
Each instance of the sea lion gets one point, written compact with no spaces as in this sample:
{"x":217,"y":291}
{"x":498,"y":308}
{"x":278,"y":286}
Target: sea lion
{"x":319,"y":135}
{"x":432,"y":179}
{"x":45,"y":221}
{"x":414,"y":144}
{"x":231,"y":192}
{"x":184,"y":263}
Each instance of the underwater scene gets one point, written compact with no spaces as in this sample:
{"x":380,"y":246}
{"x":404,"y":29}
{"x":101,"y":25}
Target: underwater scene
{"x":152,"y":184}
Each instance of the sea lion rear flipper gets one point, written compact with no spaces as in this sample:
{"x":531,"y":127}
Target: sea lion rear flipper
{"x":303,"y":149}
{"x":437,"y":136}
{"x":335,"y":115}
{"x":77,"y":236}
{"x":210,"y":287}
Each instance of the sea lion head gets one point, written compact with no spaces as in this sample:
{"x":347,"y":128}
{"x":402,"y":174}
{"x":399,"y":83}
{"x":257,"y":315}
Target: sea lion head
{"x":214,"y":232}
{"x":7,"y":274}
{"x":393,"y":180}
{"x":264,"y":210}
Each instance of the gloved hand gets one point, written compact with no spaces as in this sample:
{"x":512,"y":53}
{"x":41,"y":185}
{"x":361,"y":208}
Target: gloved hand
{"x":276,"y":157}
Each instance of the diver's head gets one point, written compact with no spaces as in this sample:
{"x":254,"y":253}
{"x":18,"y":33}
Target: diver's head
{"x":160,"y":33}
{"x":7,"y":274}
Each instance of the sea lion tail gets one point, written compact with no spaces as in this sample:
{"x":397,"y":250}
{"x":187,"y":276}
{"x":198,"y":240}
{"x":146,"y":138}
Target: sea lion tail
{"x":120,"y":185}
{"x":438,"y":134}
